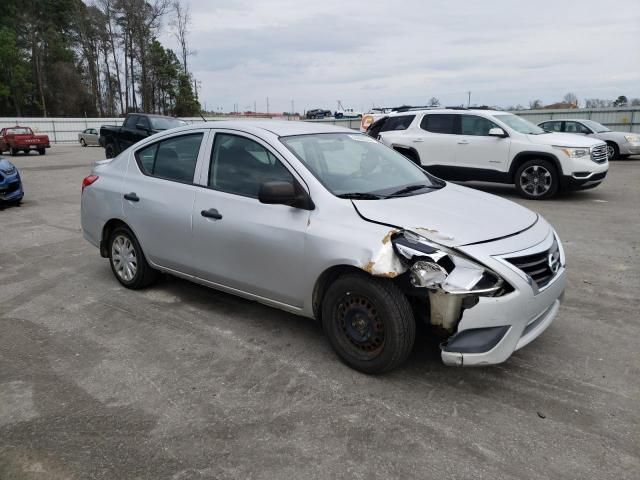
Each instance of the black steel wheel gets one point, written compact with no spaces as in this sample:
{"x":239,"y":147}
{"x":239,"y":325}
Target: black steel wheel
{"x":369,"y":322}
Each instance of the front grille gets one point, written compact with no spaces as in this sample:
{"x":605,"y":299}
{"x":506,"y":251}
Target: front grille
{"x":541,"y":267}
{"x":599,"y":153}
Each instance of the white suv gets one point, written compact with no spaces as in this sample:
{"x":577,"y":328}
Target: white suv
{"x":494,"y":146}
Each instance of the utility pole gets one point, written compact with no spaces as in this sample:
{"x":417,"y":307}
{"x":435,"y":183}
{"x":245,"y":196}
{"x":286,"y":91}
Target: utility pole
{"x":469,"y":101}
{"x":255,"y":109}
{"x":292,"y":107}
{"x":267,"y":105}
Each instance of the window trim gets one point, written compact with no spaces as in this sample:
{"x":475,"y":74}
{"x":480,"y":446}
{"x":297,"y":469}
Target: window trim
{"x":196,"y":172}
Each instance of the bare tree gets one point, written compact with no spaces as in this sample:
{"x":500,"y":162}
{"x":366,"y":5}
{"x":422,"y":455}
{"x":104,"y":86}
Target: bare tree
{"x":181,"y":24}
{"x":570,"y":98}
{"x":434,"y":102}
{"x":533,"y":104}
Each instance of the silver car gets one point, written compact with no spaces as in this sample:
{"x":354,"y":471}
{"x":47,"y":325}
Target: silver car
{"x":329,"y":224}
{"x":619,"y":144}
{"x":89,"y":136}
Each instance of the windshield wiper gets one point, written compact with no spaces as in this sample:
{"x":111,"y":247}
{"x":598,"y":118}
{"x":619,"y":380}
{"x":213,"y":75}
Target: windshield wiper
{"x":361,"y":196}
{"x":411,"y":188}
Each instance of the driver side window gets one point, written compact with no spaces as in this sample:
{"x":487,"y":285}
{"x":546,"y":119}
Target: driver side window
{"x":240,"y":165}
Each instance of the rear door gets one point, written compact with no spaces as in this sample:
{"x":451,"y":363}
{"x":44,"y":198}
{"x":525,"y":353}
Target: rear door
{"x":435,"y":141}
{"x":239,"y":242}
{"x":159,"y":193}
{"x":476,"y":150}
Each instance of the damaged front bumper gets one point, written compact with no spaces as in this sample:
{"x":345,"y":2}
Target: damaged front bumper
{"x":487,"y":303}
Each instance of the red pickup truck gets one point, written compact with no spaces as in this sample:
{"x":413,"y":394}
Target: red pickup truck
{"x":16,"y":139}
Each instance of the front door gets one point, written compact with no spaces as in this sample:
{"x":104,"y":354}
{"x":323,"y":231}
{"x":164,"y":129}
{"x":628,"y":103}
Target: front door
{"x":478,"y":152}
{"x":239,"y":242}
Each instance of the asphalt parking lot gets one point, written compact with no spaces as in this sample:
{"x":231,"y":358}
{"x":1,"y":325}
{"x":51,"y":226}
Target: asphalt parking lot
{"x":182,"y":382}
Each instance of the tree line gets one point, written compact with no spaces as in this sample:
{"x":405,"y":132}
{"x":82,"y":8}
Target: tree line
{"x":69,"y":58}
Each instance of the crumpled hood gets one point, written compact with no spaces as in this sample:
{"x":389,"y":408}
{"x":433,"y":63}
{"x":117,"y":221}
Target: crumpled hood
{"x":452,"y":216}
{"x":564,"y":140}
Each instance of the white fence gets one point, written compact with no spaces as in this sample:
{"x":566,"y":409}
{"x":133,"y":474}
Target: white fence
{"x":65,"y":130}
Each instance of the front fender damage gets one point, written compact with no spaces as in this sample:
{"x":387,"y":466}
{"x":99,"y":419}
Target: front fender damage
{"x":446,"y":300}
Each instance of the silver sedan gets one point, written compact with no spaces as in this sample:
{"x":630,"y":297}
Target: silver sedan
{"x":88,"y":136}
{"x":327,"y":223}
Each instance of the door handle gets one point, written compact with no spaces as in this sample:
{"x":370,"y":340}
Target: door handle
{"x":418,"y":140}
{"x":463,"y":142}
{"x":211,"y":213}
{"x":132,"y":197}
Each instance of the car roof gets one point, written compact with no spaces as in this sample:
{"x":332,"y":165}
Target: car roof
{"x":281,"y":128}
{"x":567,"y":120}
{"x":443,"y":110}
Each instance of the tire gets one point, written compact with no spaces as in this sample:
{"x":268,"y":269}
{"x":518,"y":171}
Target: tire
{"x":14,"y":152}
{"x":537,"y":179}
{"x":42,"y":151}
{"x":613,"y":152}
{"x":83,"y":143}
{"x":109,"y":150}
{"x":369,"y":323}
{"x":133,"y":271}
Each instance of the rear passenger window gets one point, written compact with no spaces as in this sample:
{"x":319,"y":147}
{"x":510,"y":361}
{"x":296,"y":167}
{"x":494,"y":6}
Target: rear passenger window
{"x":439,"y":123}
{"x":172,"y":159}
{"x":400,"y":122}
{"x":552,"y":126}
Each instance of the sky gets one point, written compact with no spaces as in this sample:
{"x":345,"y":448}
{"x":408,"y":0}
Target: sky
{"x":389,"y":53}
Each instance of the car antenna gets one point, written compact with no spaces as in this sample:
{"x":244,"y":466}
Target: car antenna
{"x":202,"y":116}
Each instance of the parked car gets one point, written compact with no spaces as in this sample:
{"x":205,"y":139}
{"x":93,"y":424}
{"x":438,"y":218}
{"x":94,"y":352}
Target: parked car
{"x":347,"y":113}
{"x":135,"y":127}
{"x":317,"y":113}
{"x":327,"y":223}
{"x":89,"y":136}
{"x":494,"y":146}
{"x":22,"y":139}
{"x":10,"y":183}
{"x":619,"y":144}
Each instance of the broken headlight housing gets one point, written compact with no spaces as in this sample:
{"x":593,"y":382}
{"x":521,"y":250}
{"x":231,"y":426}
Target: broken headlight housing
{"x":435,"y":267}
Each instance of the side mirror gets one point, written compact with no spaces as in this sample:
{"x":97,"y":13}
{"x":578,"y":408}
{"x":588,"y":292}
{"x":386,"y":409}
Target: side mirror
{"x":141,"y":126}
{"x":284,"y":193}
{"x":497,"y":132}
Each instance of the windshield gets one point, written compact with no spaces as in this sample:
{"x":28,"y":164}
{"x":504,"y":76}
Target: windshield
{"x":595,"y":126}
{"x":357,"y":166}
{"x":160,"y":123}
{"x":19,"y":131}
{"x":519,"y":124}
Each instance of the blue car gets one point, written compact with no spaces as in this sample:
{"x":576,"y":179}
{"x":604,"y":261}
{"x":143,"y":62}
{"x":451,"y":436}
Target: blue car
{"x":10,"y":183}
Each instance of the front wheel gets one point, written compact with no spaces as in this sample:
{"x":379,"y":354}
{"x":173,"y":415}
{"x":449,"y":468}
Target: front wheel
{"x":369,"y":323}
{"x":83,"y":143}
{"x":613,"y":152}
{"x":127,"y":260}
{"x":537,"y":179}
{"x":14,"y":152}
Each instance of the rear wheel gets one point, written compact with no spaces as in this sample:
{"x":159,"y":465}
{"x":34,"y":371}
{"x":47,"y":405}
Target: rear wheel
{"x":537,"y":179}
{"x":82,"y":142}
{"x":42,"y":151}
{"x":613,"y":152}
{"x":127,"y":260}
{"x":369,"y":323}
{"x":109,"y":150}
{"x":14,"y":152}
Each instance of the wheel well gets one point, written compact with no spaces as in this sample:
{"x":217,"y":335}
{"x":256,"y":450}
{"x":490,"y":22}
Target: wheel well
{"x":109,"y":227}
{"x":408,"y":152}
{"x":524,"y":157}
{"x":322,"y":284}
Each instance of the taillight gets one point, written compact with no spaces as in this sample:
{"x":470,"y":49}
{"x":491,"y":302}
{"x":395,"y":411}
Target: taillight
{"x":88,"y":181}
